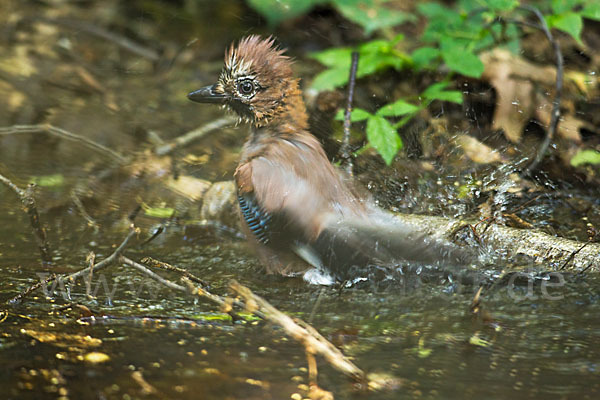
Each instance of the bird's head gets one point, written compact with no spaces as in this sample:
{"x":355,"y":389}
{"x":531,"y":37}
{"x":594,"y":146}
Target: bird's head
{"x":256,"y":83}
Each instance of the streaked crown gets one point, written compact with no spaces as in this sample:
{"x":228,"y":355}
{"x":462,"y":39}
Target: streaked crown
{"x":257,"y":83}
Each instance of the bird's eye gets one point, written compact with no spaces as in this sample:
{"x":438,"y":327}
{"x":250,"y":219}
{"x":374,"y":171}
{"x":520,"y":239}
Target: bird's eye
{"x":246,"y":87}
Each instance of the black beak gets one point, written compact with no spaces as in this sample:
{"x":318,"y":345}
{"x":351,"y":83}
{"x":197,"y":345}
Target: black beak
{"x":206,"y":95}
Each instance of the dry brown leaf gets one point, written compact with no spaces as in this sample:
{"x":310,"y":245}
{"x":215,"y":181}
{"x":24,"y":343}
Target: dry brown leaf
{"x":514,"y":106}
{"x":515,"y":81}
{"x":477,"y":151}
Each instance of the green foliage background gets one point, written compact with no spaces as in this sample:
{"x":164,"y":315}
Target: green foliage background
{"x":453,"y":37}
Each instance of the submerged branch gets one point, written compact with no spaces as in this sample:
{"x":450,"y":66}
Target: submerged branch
{"x":133,"y":230}
{"x":102,"y":33}
{"x":313,"y":342}
{"x":151,"y":274}
{"x":30,"y":208}
{"x":63,"y":134}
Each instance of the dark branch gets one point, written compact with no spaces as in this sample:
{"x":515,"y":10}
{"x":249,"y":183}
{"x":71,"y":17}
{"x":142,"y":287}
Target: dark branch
{"x":345,"y":148}
{"x":30,"y":208}
{"x":557,"y":96}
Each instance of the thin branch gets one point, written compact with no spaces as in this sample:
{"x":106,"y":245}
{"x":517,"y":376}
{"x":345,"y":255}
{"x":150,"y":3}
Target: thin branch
{"x":151,"y":274}
{"x":311,"y":339}
{"x":91,"y":258}
{"x":17,"y":299}
{"x":194,"y":135}
{"x":28,"y":201}
{"x":72,"y":277}
{"x":133,"y":231}
{"x":555,"y":117}
{"x":91,"y":221}
{"x":345,"y":148}
{"x":151,"y":262}
{"x":102,"y":33}
{"x":573,"y":254}
{"x":190,"y":288}
{"x":63,"y":134}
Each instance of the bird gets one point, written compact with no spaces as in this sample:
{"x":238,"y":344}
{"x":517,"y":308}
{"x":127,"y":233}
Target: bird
{"x":302,"y":214}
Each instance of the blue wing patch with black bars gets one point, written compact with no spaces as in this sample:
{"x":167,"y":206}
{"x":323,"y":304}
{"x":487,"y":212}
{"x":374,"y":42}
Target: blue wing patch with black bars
{"x":256,"y":218}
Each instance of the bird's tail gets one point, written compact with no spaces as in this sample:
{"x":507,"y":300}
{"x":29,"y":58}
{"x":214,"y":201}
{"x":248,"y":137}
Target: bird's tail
{"x":347,"y":246}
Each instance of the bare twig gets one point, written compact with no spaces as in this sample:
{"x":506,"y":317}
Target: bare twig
{"x":573,"y":254}
{"x":17,"y":299}
{"x":151,"y":274}
{"x":345,"y":148}
{"x":311,"y":339}
{"x":91,"y":221}
{"x":557,"y":96}
{"x":28,"y":201}
{"x":102,"y":33}
{"x":91,"y":258}
{"x":151,"y":262}
{"x":72,"y":277}
{"x":196,"y":134}
{"x":189,"y":287}
{"x":133,"y":231}
{"x":63,"y":134}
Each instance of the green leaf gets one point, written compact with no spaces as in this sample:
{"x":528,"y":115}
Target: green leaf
{"x":276,"y":11}
{"x":569,"y":22}
{"x":453,"y":96}
{"x":475,"y":340}
{"x":423,"y":57}
{"x":437,"y":92}
{"x":397,"y":108}
{"x":502,"y":5}
{"x":432,"y":90}
{"x":53,"y":180}
{"x":371,"y":14}
{"x":441,"y":21}
{"x":358,"y":114}
{"x":585,"y":157}
{"x":458,"y":58}
{"x":433,"y":10}
{"x":562,"y":6}
{"x":334,"y":58}
{"x":591,"y":11}
{"x":330,"y":79}
{"x":378,"y":55}
{"x":370,"y":63}
{"x":383,"y":137}
{"x":159,"y":212}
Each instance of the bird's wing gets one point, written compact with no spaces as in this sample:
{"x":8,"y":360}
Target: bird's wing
{"x":350,"y":244}
{"x":295,"y":208}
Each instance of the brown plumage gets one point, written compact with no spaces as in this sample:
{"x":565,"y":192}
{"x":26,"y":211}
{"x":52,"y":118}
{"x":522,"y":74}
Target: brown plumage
{"x":294,"y":204}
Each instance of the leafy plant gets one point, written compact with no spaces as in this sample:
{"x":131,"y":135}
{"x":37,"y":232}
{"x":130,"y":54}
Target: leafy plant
{"x":375,"y":56}
{"x":382,"y":134}
{"x":453,"y":37}
{"x":586,"y":157}
{"x":371,"y":15}
{"x":567,"y":15}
